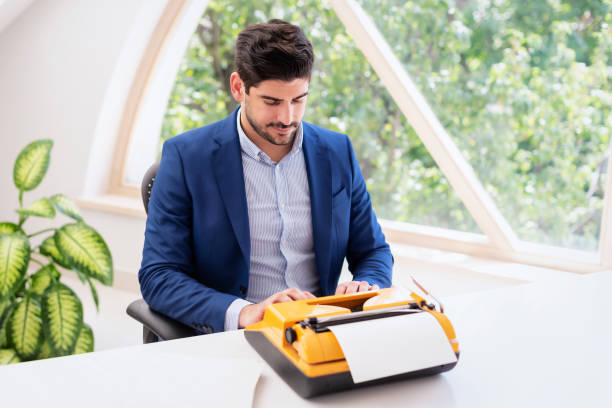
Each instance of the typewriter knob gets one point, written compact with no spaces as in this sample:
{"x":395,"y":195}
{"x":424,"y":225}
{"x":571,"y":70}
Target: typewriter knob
{"x":290,"y":335}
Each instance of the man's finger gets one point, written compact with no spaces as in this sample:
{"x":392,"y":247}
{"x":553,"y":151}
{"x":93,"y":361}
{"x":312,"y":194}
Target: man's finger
{"x":282,"y":297}
{"x":341,"y":289}
{"x":363,"y":286}
{"x":352,"y":287}
{"x":278,"y":297}
{"x":296,"y":294}
{"x":374,"y":287}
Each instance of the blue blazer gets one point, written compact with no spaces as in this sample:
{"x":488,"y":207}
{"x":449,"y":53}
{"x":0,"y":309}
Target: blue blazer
{"x":195,"y":260}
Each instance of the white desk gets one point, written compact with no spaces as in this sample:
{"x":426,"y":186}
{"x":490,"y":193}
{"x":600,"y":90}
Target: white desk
{"x":531,"y":345}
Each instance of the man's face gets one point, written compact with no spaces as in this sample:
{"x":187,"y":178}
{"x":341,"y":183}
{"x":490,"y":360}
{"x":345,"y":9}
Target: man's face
{"x":274,"y":109}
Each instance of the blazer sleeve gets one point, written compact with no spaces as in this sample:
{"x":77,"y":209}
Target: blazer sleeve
{"x":166,"y":273}
{"x":368,"y":255}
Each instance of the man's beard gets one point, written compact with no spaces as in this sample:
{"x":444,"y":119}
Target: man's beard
{"x":267,"y":136}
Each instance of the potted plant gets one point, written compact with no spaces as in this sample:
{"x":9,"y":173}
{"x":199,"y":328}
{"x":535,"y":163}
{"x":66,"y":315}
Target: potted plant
{"x":41,"y":317}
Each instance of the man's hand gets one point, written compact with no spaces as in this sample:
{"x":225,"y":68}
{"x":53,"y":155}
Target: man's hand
{"x":253,"y":313}
{"x":354,"y":287}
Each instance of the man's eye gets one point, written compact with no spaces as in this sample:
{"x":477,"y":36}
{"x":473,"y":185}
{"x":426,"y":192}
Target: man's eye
{"x":272,"y":103}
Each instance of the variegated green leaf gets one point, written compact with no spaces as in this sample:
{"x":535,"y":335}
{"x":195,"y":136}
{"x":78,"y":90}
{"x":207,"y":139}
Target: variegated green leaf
{"x":40,"y":208}
{"x":3,"y":337}
{"x":86,"y":251}
{"x":5,"y":309}
{"x":62,"y":313}
{"x":85,"y":342}
{"x":66,"y":206}
{"x":43,"y":278}
{"x":45,"y":351}
{"x":86,"y":279}
{"x":6,"y":306}
{"x":14,"y":259}
{"x":32,"y":164}
{"x":94,"y":293}
{"x":8,"y":356}
{"x":48,"y":248}
{"x":82,"y":277}
{"x":24,"y":329}
{"x":8,"y":228}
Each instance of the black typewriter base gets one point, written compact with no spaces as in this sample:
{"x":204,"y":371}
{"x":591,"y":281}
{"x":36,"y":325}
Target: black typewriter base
{"x":312,"y":386}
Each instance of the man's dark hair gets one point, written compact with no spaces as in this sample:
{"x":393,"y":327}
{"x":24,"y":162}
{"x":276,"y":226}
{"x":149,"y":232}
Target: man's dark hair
{"x":272,"y":50}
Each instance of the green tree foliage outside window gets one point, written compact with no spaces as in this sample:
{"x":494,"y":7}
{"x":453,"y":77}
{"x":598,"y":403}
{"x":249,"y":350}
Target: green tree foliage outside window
{"x":522,"y":87}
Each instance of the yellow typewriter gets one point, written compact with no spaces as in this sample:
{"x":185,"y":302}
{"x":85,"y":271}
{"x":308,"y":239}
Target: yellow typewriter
{"x":296,"y":340}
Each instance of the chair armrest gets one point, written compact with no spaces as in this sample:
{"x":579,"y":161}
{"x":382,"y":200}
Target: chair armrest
{"x":163,"y":326}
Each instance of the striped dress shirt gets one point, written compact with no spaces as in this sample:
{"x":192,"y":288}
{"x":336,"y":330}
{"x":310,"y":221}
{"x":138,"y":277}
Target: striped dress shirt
{"x":280,"y":224}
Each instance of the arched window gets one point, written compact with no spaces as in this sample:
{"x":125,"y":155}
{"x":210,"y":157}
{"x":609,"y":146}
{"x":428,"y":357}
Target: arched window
{"x":483,"y":130}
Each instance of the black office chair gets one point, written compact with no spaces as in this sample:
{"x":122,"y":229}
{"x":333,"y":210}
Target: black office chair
{"x":155,"y":326}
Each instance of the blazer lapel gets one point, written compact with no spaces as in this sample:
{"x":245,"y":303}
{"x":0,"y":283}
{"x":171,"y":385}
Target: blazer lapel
{"x":227,"y":164}
{"x":319,"y":180}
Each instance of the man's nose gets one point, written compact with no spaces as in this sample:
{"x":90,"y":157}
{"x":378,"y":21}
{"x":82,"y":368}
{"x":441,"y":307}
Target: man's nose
{"x":285,"y":115}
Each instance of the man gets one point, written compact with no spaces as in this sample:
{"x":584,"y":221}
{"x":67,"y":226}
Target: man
{"x":259,"y":207}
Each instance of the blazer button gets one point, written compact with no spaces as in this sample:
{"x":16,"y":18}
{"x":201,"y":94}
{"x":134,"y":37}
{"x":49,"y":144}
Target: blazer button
{"x":242,"y":290}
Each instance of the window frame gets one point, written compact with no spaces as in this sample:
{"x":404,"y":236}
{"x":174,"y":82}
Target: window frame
{"x":142,"y":80}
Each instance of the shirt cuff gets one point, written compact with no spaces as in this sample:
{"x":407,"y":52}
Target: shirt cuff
{"x":233,"y":312}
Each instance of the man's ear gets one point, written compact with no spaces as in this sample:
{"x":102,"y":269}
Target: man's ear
{"x":237,"y":87}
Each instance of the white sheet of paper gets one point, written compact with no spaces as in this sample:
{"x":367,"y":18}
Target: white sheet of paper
{"x":393,"y":345}
{"x":141,"y":378}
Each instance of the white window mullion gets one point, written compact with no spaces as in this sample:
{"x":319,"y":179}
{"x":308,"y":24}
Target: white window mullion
{"x":427,"y":126}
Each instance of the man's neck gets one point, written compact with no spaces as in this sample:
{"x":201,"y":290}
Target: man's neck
{"x":274,"y":152}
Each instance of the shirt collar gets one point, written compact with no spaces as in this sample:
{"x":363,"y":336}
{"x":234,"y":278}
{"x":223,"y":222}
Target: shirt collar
{"x":255,"y":152}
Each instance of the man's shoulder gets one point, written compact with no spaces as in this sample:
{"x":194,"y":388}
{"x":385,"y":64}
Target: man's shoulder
{"x":201,"y":139}
{"x":334,"y":140}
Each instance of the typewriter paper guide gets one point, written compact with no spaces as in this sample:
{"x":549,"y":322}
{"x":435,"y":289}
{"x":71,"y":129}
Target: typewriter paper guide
{"x":380,"y":348}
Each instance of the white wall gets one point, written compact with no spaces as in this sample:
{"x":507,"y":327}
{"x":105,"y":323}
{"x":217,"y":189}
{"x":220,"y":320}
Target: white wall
{"x":10,"y":10}
{"x":57,"y":59}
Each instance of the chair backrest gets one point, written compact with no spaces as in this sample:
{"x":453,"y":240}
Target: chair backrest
{"x":155,"y":326}
{"x":147,"y":185}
